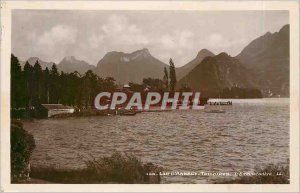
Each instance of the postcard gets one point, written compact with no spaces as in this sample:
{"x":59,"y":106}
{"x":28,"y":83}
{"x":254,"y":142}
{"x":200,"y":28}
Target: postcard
{"x":149,"y":96}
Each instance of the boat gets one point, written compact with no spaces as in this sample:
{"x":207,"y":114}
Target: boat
{"x":124,"y":112}
{"x":220,"y":103}
{"x":127,"y":113}
{"x":216,"y":110}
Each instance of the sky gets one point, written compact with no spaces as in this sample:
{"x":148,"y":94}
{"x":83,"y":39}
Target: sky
{"x":89,"y":35}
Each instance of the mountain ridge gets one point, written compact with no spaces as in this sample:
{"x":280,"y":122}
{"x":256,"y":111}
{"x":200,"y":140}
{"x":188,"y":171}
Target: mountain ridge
{"x":268,"y":56}
{"x":32,"y":61}
{"x":130,"y":67}
{"x":215,"y":73}
{"x":70,"y":64}
{"x":263,"y":64}
{"x":184,"y":70}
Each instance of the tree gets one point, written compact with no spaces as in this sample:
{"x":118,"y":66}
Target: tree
{"x":28,"y":69}
{"x":185,"y":88}
{"x":155,"y":84}
{"x":106,"y":84}
{"x":36,"y":81}
{"x":172,"y":76}
{"x":135,"y":87}
{"x":45,"y":86}
{"x":90,"y":85}
{"x":166,"y":78}
{"x":34,"y":86}
{"x":54,"y":85}
{"x":74,"y":84}
{"x":16,"y":83}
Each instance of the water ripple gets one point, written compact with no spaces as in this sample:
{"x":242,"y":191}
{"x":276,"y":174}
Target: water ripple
{"x":250,"y":133}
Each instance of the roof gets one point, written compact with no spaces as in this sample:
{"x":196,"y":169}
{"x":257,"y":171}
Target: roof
{"x":56,"y":106}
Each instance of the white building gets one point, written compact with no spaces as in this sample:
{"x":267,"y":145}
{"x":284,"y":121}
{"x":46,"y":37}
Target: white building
{"x":54,"y":109}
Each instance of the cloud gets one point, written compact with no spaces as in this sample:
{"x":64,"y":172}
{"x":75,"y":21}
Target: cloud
{"x":56,"y":35}
{"x":177,"y":44}
{"x":116,"y":31}
{"x":177,"y":40}
{"x":54,"y":42}
{"x":115,"y":24}
{"x":95,"y":40}
{"x":89,"y":35}
{"x":217,"y":40}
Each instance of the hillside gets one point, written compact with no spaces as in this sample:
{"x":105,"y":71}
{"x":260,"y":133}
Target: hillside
{"x":269,"y":57}
{"x":130,"y":67}
{"x":70,"y":64}
{"x":215,"y":73}
{"x":184,"y":70}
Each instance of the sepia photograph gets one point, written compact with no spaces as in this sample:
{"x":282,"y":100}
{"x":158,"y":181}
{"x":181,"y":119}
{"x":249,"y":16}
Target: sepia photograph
{"x":150,"y":96}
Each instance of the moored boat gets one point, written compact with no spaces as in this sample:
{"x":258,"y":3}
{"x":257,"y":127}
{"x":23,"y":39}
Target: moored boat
{"x":219,"y":110}
{"x":128,"y":113}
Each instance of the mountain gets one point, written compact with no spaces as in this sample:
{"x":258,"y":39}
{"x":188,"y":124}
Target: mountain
{"x":130,"y":67}
{"x":269,"y":57}
{"x":70,"y":64}
{"x":32,"y":61}
{"x":184,"y":70}
{"x":215,"y":73}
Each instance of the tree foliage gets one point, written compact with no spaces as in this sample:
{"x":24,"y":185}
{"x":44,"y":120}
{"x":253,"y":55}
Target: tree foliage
{"x":33,"y":86}
{"x":154,"y":84}
{"x":172,"y":76}
{"x":16,"y":83}
{"x":238,"y":92}
{"x":166,"y":78}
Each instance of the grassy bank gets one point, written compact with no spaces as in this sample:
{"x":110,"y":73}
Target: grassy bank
{"x":117,"y":168}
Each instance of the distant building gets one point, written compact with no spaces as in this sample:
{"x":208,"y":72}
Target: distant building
{"x":147,"y":89}
{"x":126,"y":86}
{"x":49,"y":110}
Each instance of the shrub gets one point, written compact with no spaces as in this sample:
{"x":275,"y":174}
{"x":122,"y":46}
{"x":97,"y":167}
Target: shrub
{"x":120,"y":168}
{"x":117,"y":168}
{"x":22,"y":145}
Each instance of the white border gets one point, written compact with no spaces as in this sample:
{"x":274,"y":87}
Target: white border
{"x":291,"y":6}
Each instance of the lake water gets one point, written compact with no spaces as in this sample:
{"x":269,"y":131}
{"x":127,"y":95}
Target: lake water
{"x":251,"y":133}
